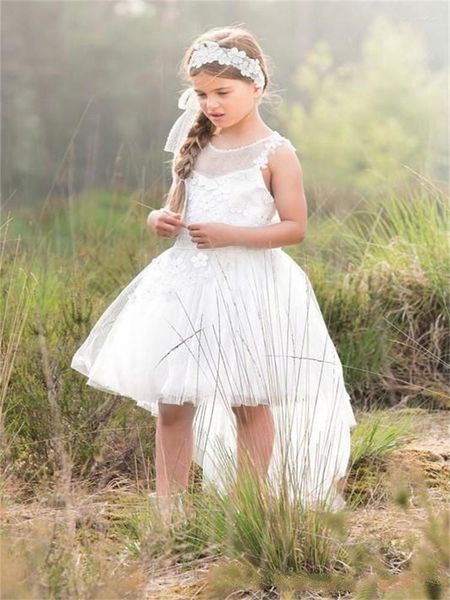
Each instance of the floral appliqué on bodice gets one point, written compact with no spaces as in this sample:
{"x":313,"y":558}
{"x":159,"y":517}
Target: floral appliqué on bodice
{"x":226,"y":186}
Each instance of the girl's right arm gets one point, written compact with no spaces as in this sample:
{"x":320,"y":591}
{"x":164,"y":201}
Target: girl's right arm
{"x":164,"y":222}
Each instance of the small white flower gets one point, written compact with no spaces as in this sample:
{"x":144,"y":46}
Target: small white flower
{"x":261,"y":161}
{"x":200,"y":259}
{"x":179,"y":263}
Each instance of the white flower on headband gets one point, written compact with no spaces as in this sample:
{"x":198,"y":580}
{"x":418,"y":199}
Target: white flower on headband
{"x":209,"y":51}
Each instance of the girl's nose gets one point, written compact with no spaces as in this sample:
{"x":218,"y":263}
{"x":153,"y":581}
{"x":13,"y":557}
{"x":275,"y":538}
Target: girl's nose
{"x":211,"y":106}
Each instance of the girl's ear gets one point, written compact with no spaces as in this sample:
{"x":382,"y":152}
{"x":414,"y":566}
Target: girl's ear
{"x":258,"y":92}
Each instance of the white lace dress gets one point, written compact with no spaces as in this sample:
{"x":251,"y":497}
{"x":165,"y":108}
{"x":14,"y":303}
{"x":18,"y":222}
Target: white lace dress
{"x":229,"y":326}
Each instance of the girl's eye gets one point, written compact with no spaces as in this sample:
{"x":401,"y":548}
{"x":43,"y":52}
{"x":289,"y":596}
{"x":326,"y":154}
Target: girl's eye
{"x":220,"y":94}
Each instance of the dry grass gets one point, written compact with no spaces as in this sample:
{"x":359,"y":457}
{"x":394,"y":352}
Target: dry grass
{"x":108,"y":559}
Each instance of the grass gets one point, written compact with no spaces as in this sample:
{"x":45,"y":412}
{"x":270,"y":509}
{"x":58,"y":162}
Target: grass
{"x":76,"y":463}
{"x":110,"y":544}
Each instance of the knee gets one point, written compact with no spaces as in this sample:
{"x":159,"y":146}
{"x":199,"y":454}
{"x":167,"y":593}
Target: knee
{"x":242,"y":415}
{"x":246,"y":415}
{"x":260,"y":415}
{"x":173,"y":414}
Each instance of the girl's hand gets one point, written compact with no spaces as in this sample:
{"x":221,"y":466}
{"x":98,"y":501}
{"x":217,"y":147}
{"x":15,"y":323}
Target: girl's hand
{"x":212,"y":235}
{"x":165,"y":223}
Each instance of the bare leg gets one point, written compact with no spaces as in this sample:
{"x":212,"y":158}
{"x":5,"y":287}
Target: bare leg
{"x":255,"y":435}
{"x":174,"y":447}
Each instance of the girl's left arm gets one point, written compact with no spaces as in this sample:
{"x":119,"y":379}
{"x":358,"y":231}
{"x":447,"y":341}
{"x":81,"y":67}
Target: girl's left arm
{"x":290,"y":200}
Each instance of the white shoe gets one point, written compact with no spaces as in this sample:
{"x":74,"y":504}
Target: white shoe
{"x":166,"y":505}
{"x":338,"y":503}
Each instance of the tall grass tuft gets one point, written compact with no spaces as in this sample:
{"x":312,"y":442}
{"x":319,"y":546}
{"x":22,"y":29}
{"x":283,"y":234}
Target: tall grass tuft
{"x":381,"y":283}
{"x":381,"y":276}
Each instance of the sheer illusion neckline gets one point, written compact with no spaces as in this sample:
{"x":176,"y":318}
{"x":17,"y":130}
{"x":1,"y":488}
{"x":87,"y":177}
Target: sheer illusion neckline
{"x":241,"y":147}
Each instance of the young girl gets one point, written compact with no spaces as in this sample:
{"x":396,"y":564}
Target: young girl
{"x":221,"y":336}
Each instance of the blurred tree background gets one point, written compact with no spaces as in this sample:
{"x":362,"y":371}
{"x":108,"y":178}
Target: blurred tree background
{"x":89,"y":92}
{"x":90,"y":89}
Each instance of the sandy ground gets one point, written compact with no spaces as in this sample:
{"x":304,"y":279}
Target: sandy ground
{"x":423,"y":460}
{"x":383,"y":523}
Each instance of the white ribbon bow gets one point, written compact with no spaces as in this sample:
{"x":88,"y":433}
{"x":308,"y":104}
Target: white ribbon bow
{"x":180,"y":129}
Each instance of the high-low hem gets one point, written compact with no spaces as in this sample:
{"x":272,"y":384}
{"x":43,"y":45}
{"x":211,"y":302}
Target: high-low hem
{"x":225,"y":327}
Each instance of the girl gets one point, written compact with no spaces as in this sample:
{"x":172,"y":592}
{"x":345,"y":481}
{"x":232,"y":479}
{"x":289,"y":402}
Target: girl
{"x":221,"y":336}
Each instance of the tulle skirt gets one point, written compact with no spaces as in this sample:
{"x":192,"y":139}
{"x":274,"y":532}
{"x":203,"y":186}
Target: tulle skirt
{"x":227,"y":327}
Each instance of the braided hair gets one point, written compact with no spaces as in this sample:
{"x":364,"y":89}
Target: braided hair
{"x":203,"y":128}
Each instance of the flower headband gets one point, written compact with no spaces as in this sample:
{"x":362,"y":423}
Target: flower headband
{"x":207,"y":52}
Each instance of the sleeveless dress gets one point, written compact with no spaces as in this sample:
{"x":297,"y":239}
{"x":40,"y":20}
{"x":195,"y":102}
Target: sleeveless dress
{"x":222,"y":327}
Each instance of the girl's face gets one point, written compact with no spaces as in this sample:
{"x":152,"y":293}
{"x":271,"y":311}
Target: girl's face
{"x":224,"y":101}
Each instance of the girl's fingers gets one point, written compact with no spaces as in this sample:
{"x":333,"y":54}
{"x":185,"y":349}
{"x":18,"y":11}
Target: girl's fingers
{"x":170,"y":220}
{"x":167,"y":230}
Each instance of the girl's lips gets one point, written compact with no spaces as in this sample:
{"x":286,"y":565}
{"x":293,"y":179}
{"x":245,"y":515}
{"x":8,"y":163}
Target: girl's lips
{"x":216,"y":116}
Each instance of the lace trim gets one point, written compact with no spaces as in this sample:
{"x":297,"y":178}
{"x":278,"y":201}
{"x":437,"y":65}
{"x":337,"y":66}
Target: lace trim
{"x":211,"y":178}
{"x":219,"y":193}
{"x":245,"y":146}
{"x":260,"y":161}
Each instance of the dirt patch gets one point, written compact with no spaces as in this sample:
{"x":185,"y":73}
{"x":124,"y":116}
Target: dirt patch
{"x":421,"y":462}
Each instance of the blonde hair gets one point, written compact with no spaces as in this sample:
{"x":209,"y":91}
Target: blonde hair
{"x":203,"y":129}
